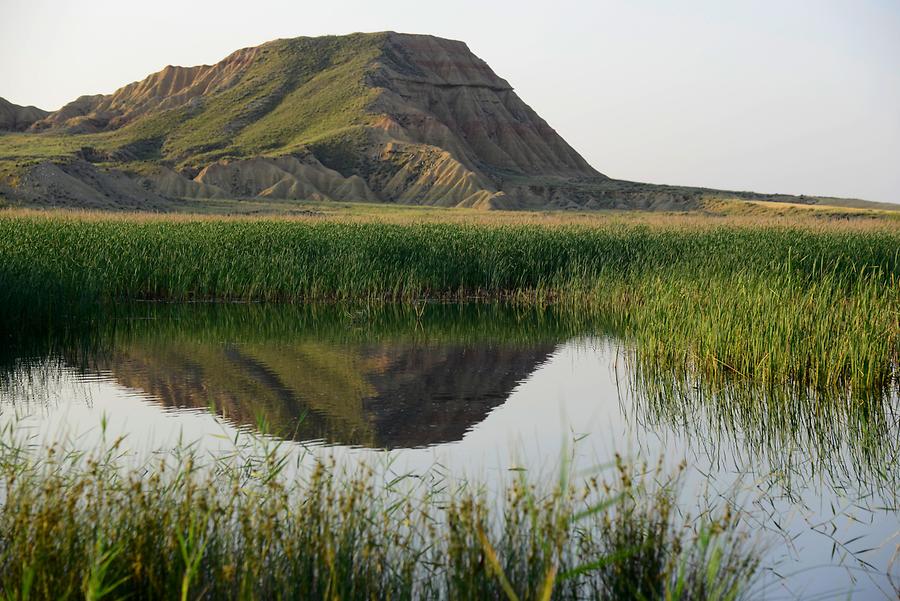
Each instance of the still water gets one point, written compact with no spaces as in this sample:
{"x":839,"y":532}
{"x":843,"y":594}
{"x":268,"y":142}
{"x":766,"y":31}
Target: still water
{"x":476,"y":391}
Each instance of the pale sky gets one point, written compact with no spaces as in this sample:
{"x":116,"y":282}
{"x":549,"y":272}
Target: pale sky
{"x":799,"y":96}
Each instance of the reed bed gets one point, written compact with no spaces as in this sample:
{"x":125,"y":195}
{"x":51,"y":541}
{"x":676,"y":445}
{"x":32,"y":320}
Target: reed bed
{"x":273,"y":260}
{"x":254,"y":525}
{"x":772,"y":304}
{"x":844,"y":439}
{"x":711,"y":310}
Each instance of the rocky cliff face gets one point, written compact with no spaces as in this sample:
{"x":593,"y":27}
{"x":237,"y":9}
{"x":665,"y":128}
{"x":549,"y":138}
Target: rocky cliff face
{"x":435,"y":91}
{"x":454,"y":130}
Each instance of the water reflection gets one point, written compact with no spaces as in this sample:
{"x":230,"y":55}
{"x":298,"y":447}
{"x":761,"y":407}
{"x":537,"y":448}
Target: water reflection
{"x":383,"y":395}
{"x":458,"y":385}
{"x":846,"y":438}
{"x":394,"y":377}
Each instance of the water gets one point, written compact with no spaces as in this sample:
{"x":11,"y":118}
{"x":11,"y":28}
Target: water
{"x":475,"y":391}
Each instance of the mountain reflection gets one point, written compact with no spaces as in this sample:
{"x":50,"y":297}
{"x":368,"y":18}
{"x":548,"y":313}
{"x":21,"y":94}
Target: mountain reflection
{"x":395,"y":377}
{"x":385,"y":395}
{"x":383,"y":377}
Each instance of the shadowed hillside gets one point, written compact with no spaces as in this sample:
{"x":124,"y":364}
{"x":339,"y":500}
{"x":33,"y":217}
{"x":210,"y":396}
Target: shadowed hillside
{"x":18,"y":118}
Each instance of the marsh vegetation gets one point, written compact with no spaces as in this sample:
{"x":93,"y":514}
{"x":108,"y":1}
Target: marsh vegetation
{"x":774,"y":342}
{"x":248,"y":526}
{"x":816,"y":307}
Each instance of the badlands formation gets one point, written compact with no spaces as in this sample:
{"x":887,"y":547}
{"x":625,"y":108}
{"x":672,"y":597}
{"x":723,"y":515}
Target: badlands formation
{"x":382,"y":117}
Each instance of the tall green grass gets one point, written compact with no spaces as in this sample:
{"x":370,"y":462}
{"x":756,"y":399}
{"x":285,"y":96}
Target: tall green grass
{"x":284,"y":261}
{"x":253,"y":525}
{"x":774,"y":304}
{"x":836,"y":437}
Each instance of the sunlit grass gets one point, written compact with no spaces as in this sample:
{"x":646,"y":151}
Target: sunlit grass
{"x":773,"y":304}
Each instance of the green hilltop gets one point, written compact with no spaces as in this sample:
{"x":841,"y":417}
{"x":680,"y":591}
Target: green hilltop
{"x":297,"y":91}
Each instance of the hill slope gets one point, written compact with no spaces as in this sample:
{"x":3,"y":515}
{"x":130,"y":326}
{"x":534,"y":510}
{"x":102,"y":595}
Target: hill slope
{"x":381,"y":117}
{"x":18,"y":118}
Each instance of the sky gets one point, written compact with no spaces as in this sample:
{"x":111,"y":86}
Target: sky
{"x":799,"y":97}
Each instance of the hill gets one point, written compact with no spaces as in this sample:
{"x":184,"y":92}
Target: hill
{"x":18,"y":118}
{"x":381,"y":117}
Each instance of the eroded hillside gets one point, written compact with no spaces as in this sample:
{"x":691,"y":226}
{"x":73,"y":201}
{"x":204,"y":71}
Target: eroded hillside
{"x":381,"y":117}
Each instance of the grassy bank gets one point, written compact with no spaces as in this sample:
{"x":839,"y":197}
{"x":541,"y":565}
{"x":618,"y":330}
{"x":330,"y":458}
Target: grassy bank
{"x":255,"y":526}
{"x":815,"y":307}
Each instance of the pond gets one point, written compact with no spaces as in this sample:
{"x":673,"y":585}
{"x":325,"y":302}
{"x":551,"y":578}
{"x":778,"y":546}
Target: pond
{"x":475,"y":391}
